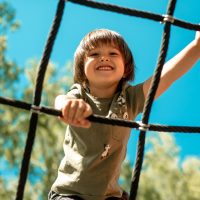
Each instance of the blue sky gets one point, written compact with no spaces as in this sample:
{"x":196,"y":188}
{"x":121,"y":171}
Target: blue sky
{"x":178,"y":106}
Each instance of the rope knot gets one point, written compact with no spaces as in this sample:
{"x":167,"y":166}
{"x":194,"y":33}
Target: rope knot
{"x":142,"y":126}
{"x":168,"y":18}
{"x":35,"y":109}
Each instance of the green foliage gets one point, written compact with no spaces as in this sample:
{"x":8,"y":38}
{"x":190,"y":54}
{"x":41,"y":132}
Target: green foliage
{"x":125,"y":177}
{"x":164,"y":176}
{"x":18,"y":83}
{"x":47,"y":150}
{"x":9,"y":72}
{"x":7,"y":18}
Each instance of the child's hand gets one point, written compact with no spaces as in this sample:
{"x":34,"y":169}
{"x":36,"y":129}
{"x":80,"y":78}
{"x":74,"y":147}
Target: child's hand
{"x":197,"y":42}
{"x":75,"y":112}
{"x":197,"y":38}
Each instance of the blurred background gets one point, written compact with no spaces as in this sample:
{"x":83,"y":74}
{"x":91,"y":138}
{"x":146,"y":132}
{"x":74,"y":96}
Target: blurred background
{"x":171,"y":168}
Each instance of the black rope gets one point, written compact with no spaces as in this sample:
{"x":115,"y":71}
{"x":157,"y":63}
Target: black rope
{"x":37,"y":99}
{"x":149,"y":102}
{"x":136,"y":13}
{"x":100,"y":119}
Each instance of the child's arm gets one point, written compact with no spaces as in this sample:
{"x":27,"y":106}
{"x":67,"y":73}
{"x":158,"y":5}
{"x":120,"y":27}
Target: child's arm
{"x":74,"y":111}
{"x":177,"y":66}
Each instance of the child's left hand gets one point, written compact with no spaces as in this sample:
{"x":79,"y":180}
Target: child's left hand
{"x":197,"y":39}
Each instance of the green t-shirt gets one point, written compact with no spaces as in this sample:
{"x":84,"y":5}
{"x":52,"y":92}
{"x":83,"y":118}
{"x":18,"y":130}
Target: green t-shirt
{"x":93,"y":156}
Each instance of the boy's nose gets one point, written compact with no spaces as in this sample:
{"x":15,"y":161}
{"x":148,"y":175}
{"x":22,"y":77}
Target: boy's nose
{"x":104,"y":58}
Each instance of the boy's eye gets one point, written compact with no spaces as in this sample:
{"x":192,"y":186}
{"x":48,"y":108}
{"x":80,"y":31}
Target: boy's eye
{"x":93,"y":54}
{"x":113,"y":53}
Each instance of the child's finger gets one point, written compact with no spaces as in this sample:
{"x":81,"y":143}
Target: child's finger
{"x":80,"y":110}
{"x":84,"y":123}
{"x":65,"y":109}
{"x":88,"y":111}
{"x":72,"y":111}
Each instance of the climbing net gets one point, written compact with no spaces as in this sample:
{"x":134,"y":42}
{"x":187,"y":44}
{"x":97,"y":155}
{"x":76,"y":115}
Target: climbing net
{"x":168,"y":20}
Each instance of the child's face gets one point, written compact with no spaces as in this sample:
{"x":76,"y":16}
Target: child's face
{"x":104,"y":66}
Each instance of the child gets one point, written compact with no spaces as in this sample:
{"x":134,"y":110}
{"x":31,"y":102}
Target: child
{"x":94,"y":152}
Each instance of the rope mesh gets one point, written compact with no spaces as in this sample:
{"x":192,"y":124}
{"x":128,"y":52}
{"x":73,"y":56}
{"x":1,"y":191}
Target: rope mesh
{"x":149,"y":101}
{"x":143,"y":126}
{"x":36,"y":100}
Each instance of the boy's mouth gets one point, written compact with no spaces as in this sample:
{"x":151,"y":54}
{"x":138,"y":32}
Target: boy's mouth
{"x":104,"y":68}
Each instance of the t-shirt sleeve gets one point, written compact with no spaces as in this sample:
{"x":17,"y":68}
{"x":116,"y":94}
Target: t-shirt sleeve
{"x":135,"y":99}
{"x":74,"y":92}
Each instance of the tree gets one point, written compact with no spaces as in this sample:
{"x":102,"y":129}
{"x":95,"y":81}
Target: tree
{"x":47,"y":150}
{"x":8,"y":68}
{"x":163,"y":175}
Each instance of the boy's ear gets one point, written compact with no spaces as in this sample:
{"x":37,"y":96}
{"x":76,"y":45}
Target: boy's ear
{"x":125,"y":73}
{"x":124,"y":76}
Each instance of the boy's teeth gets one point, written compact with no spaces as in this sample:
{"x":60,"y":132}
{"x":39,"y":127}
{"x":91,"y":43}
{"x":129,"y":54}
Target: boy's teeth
{"x":104,"y":68}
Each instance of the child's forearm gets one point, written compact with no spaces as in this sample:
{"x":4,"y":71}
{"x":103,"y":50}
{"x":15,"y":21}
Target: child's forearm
{"x":177,"y":66}
{"x":181,"y":63}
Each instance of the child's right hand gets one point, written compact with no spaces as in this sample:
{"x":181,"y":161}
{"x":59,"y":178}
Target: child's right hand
{"x":74,"y":111}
